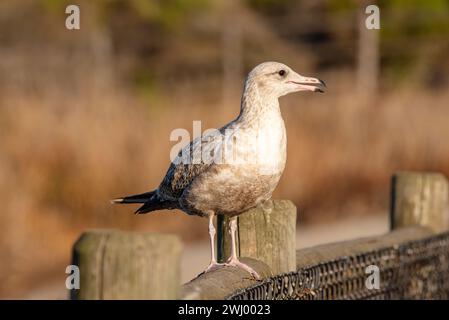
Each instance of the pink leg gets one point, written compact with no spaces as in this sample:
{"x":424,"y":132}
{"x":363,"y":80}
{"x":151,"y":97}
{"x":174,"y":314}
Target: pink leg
{"x":233,"y":260}
{"x":213,"y":265}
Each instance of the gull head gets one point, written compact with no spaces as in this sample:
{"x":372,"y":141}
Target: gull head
{"x":278,"y":79}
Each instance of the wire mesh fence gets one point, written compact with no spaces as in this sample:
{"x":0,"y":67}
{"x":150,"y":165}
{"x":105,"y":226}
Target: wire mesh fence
{"x":417,"y":269}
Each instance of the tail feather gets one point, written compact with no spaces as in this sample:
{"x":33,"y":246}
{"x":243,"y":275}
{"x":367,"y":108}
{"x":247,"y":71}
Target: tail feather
{"x":151,"y":202}
{"x":137,"y":198}
{"x":152,"y":206}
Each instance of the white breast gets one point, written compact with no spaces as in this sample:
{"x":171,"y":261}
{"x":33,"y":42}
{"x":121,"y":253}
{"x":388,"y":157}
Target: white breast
{"x":271,"y":147}
{"x":261,"y":145}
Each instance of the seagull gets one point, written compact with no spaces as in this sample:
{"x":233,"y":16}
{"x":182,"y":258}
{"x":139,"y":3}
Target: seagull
{"x":230,"y":170}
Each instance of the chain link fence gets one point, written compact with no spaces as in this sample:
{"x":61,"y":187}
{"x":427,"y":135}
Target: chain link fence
{"x":416,"y":269}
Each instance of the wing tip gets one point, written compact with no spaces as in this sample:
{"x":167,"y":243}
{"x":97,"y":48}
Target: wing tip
{"x":118,"y":200}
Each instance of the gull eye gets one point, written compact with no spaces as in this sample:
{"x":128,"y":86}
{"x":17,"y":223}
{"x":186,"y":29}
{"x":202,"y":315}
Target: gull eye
{"x":282,"y":73}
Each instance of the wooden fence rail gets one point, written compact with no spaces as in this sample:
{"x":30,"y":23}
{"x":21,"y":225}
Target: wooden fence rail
{"x":126,"y":265}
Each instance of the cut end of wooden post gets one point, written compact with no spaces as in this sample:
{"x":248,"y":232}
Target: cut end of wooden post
{"x":127,"y":265}
{"x":266,"y":233}
{"x":419,"y":199}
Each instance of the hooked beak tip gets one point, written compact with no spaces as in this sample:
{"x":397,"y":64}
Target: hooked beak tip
{"x":322,"y":83}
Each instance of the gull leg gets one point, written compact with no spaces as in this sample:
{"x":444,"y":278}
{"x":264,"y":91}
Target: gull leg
{"x":233,"y":260}
{"x":232,"y":231}
{"x":213,"y":265}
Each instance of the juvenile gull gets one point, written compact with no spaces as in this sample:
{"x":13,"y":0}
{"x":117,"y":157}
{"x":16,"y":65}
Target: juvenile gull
{"x":235,"y":168}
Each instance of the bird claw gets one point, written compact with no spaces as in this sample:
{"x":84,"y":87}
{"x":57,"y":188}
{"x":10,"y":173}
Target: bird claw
{"x":236,"y":263}
{"x":212,"y":267}
{"x":231,"y":263}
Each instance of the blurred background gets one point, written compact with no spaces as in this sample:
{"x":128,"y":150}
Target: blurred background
{"x":85,"y":115}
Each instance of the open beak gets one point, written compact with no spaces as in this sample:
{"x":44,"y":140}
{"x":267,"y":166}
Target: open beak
{"x":308,"y":84}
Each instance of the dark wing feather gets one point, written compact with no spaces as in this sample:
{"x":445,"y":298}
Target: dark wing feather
{"x":181,"y":172}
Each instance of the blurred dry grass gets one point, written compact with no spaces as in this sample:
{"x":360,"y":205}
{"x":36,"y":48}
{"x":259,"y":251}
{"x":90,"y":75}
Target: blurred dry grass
{"x":60,"y":166}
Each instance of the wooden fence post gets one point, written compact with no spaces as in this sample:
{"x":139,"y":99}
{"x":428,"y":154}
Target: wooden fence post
{"x":127,"y":265}
{"x":266,"y":233}
{"x":419,"y":199}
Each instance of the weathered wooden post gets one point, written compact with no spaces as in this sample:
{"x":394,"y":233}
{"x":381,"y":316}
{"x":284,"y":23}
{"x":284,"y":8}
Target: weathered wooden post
{"x":127,"y":265}
{"x":266,"y":233}
{"x":419,"y":199}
